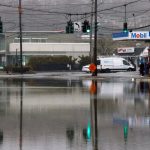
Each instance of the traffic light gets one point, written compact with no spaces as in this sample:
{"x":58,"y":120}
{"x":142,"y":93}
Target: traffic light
{"x":1,"y":26}
{"x":86,"y":27}
{"x":125,"y":27}
{"x":70,"y":27}
{"x":70,"y":134}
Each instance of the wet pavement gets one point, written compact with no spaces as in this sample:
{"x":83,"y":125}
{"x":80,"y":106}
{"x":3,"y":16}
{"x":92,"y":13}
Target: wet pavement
{"x":72,"y":111}
{"x":73,"y":75}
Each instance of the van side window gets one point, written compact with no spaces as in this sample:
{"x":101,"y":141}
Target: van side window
{"x":98,"y":62}
{"x":126,"y":63}
{"x":108,"y":62}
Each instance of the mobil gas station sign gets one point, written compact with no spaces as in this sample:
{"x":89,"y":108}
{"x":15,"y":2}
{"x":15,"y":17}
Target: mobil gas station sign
{"x":136,"y":35}
{"x":139,"y":35}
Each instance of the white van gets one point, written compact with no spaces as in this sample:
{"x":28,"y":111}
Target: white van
{"x":107,"y":64}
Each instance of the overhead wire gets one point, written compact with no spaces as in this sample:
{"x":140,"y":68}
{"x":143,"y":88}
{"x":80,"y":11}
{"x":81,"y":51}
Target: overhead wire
{"x":66,"y":13}
{"x":45,"y":12}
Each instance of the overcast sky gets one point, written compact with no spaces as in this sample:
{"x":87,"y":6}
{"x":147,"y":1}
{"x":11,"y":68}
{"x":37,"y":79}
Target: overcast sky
{"x":53,"y":14}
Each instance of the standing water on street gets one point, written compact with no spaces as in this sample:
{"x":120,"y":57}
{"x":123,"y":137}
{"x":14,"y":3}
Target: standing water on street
{"x":52,"y":114}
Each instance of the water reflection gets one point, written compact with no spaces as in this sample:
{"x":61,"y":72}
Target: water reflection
{"x":126,"y":103}
{"x":93,"y":109}
{"x":107,"y":114}
{"x":1,"y":137}
{"x":116,"y":95}
{"x":70,"y":134}
{"x":21,"y":113}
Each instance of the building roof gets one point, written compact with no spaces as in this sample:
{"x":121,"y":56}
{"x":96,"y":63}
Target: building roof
{"x":51,"y":37}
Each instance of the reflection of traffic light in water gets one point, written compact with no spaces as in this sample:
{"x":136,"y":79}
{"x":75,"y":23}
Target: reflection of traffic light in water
{"x":87,"y":132}
{"x":125,"y":130}
{"x":1,"y":137}
{"x":70,"y":134}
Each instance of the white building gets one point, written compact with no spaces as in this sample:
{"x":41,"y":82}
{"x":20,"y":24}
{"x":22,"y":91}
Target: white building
{"x":44,"y":44}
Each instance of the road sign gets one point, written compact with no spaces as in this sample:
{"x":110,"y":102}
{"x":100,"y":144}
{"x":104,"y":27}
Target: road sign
{"x":92,"y":67}
{"x":77,"y":26}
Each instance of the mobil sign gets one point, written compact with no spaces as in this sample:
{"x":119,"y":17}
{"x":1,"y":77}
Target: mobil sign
{"x":139,"y":35}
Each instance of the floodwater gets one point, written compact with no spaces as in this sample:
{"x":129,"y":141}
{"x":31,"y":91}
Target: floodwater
{"x":112,"y":114}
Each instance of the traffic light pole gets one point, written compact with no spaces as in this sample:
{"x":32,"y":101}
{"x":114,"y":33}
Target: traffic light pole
{"x":95,"y":42}
{"x":20,"y":35}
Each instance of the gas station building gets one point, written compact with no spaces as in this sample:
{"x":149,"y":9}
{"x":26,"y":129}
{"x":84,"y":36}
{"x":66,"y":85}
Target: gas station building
{"x":134,"y":54}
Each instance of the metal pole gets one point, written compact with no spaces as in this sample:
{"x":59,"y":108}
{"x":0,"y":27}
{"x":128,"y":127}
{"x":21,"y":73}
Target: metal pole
{"x":95,"y":41}
{"x":125,"y":19}
{"x":20,"y":34}
{"x":134,"y":21}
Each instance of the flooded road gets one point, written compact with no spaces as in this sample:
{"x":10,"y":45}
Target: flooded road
{"x":109,"y":114}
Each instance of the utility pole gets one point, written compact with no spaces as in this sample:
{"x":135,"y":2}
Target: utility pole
{"x":16,"y":58}
{"x":20,"y":34}
{"x":95,"y":42}
{"x":91,"y":30}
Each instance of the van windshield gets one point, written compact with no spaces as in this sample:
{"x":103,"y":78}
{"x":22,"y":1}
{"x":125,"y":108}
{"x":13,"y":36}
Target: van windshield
{"x":126,"y":63}
{"x":98,"y":62}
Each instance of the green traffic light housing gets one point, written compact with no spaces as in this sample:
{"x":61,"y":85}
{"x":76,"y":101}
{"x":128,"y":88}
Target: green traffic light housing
{"x":125,"y":27}
{"x":70,"y":27}
{"x":86,"y":27}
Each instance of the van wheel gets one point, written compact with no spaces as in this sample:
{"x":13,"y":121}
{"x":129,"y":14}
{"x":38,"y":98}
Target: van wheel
{"x":107,"y":70}
{"x":129,"y":69}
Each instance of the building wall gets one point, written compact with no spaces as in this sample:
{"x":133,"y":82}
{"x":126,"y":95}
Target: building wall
{"x":31,"y":49}
{"x":51,"y":47}
{"x":55,"y":44}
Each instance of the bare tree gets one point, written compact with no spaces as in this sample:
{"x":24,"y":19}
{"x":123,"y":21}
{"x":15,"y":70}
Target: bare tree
{"x":105,"y":46}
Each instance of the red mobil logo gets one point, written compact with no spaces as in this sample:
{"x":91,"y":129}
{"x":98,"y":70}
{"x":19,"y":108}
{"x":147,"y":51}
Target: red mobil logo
{"x":139,"y":35}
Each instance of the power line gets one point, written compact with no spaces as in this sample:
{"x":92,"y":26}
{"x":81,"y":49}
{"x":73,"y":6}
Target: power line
{"x":66,"y":13}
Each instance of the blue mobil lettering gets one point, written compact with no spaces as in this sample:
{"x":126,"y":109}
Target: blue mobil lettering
{"x":138,"y":35}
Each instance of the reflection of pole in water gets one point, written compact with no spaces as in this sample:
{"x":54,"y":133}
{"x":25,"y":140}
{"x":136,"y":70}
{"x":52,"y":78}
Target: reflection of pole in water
{"x":21,"y":113}
{"x":93,"y":91}
{"x":1,"y":136}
